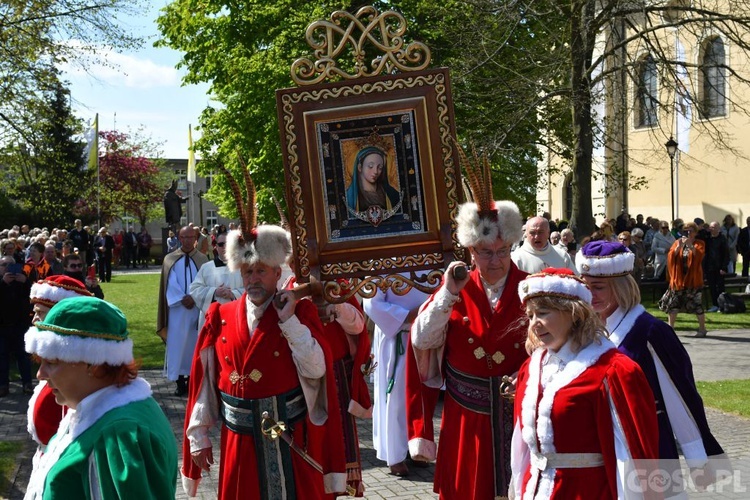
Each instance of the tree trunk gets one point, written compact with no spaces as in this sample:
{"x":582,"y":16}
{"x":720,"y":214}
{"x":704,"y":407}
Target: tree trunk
{"x":582,"y":42}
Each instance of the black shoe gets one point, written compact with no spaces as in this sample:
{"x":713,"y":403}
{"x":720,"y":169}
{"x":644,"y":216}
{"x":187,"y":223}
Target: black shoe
{"x":182,"y":387}
{"x":28,"y":388}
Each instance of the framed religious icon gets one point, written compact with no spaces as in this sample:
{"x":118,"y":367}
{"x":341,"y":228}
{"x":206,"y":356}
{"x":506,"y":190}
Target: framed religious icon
{"x":372,"y":180}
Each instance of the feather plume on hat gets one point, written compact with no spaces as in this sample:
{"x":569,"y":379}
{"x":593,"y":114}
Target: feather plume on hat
{"x":484,"y":220}
{"x":251,"y":244}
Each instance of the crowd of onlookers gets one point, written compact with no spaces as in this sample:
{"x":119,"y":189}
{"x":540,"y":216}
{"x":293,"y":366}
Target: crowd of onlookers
{"x":96,"y":246}
{"x":650,"y":239}
{"x":87,"y":254}
{"x":41,"y":251}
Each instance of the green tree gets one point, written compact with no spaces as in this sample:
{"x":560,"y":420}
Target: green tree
{"x":244,"y":51}
{"x":527,"y":75}
{"x":47,"y":176}
{"x":245,"y":54}
{"x":497,"y":53}
{"x":38,"y":35}
{"x":564,"y":59}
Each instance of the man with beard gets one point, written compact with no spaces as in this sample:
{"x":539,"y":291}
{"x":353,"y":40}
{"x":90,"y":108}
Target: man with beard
{"x":73,"y":266}
{"x":256,"y":358}
{"x":177,"y":319}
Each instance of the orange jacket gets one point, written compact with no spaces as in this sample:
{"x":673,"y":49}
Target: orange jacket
{"x":693,"y":278}
{"x":36,"y":272}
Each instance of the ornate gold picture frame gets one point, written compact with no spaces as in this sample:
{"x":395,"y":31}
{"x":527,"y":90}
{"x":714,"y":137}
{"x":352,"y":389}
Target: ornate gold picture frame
{"x":408,"y":121}
{"x":372,"y":177}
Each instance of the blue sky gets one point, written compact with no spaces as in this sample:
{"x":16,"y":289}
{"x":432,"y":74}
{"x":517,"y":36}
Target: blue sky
{"x":143,"y":90}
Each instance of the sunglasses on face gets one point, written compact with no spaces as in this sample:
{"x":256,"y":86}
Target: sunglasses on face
{"x":75,"y":266}
{"x":221,"y":244}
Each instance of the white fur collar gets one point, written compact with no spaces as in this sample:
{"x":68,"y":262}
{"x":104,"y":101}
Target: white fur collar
{"x":94,"y":406}
{"x":621,"y":322}
{"x":75,"y":422}
{"x":539,"y":426}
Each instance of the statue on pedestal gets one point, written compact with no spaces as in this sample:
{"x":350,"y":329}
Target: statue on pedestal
{"x":173,"y":206}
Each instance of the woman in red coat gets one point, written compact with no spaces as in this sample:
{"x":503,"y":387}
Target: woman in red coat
{"x":583,"y":410}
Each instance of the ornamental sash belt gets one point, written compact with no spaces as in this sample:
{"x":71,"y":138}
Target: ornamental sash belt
{"x":274,"y":462}
{"x":244,"y":415}
{"x":483,"y":395}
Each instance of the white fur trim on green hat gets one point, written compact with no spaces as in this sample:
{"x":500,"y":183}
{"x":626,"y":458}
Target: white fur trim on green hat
{"x":82,"y":329}
{"x":75,"y":349}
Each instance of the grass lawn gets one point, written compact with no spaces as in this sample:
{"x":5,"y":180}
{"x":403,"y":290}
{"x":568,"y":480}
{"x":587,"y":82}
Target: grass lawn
{"x":731,"y":396}
{"x":714,"y":321}
{"x":137,"y":295}
{"x":9,"y":451}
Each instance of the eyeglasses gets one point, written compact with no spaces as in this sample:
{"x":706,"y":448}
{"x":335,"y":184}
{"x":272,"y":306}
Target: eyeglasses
{"x":221,"y":244}
{"x":665,"y":227}
{"x":489,"y":254}
{"x":75,"y":266}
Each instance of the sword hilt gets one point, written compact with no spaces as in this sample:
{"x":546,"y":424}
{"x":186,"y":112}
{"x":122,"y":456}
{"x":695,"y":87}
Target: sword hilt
{"x":271,"y":428}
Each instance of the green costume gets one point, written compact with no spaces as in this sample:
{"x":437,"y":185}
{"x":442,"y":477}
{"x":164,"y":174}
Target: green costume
{"x":128,"y":452}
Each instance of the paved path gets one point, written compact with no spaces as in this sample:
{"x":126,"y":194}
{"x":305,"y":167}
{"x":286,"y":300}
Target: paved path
{"x":720,"y":356}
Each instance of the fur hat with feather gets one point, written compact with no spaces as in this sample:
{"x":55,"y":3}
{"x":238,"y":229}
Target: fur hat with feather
{"x":484,"y":220}
{"x":251,"y":244}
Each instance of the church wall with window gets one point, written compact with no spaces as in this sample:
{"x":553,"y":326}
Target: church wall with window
{"x":710,"y":179}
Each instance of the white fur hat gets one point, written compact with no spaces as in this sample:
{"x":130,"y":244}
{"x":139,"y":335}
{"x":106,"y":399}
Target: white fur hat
{"x":474,"y":228}
{"x":272,"y":246}
{"x":604,"y":258}
{"x":553,"y":282}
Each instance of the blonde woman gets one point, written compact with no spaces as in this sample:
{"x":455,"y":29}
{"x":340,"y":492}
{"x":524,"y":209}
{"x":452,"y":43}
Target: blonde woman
{"x":581,"y":408}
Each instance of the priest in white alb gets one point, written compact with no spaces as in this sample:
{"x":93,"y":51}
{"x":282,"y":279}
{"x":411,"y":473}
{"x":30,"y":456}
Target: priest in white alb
{"x":177,"y":319}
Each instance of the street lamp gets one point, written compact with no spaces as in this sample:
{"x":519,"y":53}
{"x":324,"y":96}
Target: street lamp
{"x":671,"y":146}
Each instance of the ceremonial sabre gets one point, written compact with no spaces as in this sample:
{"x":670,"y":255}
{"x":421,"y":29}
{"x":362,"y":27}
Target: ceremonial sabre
{"x":272,"y":430}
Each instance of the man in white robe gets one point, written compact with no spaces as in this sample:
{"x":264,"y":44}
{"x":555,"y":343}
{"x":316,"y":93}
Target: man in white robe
{"x":215,"y":282}
{"x":393,"y":316}
{"x":177,"y":319}
{"x":537,"y":253}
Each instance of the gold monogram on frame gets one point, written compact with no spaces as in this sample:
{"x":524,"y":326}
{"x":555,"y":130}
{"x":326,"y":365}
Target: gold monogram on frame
{"x":372,"y":175}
